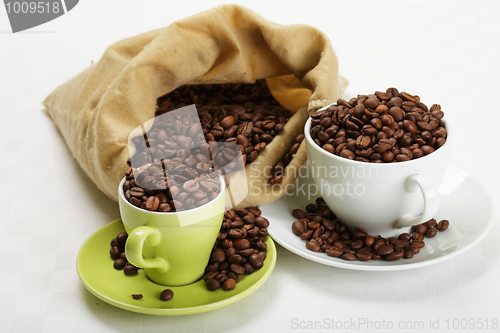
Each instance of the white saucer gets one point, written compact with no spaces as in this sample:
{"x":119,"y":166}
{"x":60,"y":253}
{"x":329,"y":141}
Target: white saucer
{"x":464,"y":201}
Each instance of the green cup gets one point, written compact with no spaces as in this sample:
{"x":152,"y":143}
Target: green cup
{"x":173,"y":248}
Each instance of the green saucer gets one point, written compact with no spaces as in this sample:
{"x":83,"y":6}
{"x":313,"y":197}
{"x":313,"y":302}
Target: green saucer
{"x":95,"y":268}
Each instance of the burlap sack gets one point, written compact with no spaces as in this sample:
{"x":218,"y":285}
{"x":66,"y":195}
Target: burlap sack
{"x":96,"y":110}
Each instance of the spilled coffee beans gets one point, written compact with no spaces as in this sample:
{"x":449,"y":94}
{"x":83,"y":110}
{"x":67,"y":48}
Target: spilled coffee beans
{"x":117,"y":253}
{"x":321,"y":229}
{"x":240,"y":249}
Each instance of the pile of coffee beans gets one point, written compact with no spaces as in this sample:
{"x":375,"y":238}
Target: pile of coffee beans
{"x":244,"y":114}
{"x":152,"y":188}
{"x":324,"y":232}
{"x":237,"y":122}
{"x":117,"y":253}
{"x":381,"y":128}
{"x":244,"y":94}
{"x":239,"y":249}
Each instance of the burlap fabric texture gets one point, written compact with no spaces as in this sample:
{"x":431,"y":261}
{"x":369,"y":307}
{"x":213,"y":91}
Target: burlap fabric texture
{"x":96,"y":110}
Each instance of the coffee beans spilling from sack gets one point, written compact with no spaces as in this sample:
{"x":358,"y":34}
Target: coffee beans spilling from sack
{"x":323,"y":232}
{"x":384,"y":127}
{"x":244,"y":114}
{"x":236,"y":120}
{"x":239,"y":249}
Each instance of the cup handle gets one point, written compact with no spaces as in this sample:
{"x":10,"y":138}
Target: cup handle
{"x":135,"y":244}
{"x":431,"y":201}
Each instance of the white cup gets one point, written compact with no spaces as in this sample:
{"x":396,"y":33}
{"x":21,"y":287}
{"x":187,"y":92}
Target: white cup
{"x":383,"y":198}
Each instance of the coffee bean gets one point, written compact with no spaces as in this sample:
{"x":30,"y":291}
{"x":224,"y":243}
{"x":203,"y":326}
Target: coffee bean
{"x":229,"y":284}
{"x":212,"y":284}
{"x":137,"y":296}
{"x":363,"y":256}
{"x":256,"y":261}
{"x":212,"y":268}
{"x":369,"y":240}
{"x":237,"y":269}
{"x":357,"y":244}
{"x":241,"y":244}
{"x":378,"y":243}
{"x":260,"y":245}
{"x":235,"y":233}
{"x":236,"y":259}
{"x":306,"y":235}
{"x":115,"y":252}
{"x":259,"y":147}
{"x":394,"y":256}
{"x":360,"y":233}
{"x":312,"y":245}
{"x":412,"y":248}
{"x":248,"y":268}
{"x":230,"y":250}
{"x":221,"y":277}
{"x":348,"y":256}
{"x":121,"y":238}
{"x":233,"y":276}
{"x":408,"y":255}
{"x":136,"y":192}
{"x":218,"y":256}
{"x":418,"y":243}
{"x":384,"y":250}
{"x":334,"y":252}
{"x":431,"y":232}
{"x":443,"y":225}
{"x":152,"y":203}
{"x":247,"y":252}
{"x":346,"y":153}
{"x":166,"y":295}
{"x":426,"y":149}
{"x":417,"y":236}
{"x":299,"y":214}
{"x":404,"y":236}
{"x":227,"y":122}
{"x":365,"y":249}
{"x":431,"y":223}
{"x":420,"y":229}
{"x":119,"y":264}
{"x":210,"y":275}
{"x":261,"y":222}
{"x":130,"y":269}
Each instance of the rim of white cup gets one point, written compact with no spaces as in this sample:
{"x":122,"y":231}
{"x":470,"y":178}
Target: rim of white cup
{"x":313,"y":145}
{"x":122,"y":196}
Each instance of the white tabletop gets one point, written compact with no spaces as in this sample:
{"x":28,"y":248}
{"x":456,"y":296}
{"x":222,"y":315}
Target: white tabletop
{"x":445,"y":51}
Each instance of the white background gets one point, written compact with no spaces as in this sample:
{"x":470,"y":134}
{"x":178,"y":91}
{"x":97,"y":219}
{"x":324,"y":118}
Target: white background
{"x":445,"y":51}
